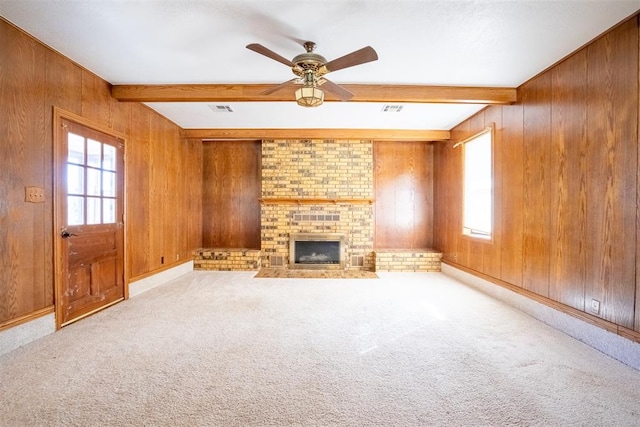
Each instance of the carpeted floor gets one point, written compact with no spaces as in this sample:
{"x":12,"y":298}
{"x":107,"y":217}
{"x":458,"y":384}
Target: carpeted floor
{"x":225,"y":349}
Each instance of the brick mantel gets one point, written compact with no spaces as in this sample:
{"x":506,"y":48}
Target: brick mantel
{"x":286,"y":201}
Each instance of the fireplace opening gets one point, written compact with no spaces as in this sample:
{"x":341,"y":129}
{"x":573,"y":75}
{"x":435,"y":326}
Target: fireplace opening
{"x":316,"y":251}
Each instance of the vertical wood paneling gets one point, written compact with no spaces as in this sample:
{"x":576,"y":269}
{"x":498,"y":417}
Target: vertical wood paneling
{"x":511,"y":169}
{"x":160,"y":215}
{"x":25,"y":287}
{"x":439,"y":198}
{"x":157,"y":192}
{"x":64,"y":84}
{"x":182,"y":236}
{"x":119,"y":114}
{"x":536,"y":97}
{"x":34,"y":165}
{"x":138,"y":191}
{"x":194,"y":194}
{"x":404,"y":195}
{"x":96,"y":99}
{"x":383,"y":194}
{"x":568,"y":174}
{"x":454,"y":217}
{"x":425,"y":207}
{"x":170,"y":169}
{"x":230,"y":195}
{"x":448,"y":172}
{"x":612,"y":162}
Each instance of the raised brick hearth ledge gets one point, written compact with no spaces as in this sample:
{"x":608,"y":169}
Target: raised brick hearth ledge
{"x":226,"y":259}
{"x":407,"y":260}
{"x":236,"y":259}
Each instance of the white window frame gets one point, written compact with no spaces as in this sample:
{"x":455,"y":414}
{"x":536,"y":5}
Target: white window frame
{"x":477,"y":184}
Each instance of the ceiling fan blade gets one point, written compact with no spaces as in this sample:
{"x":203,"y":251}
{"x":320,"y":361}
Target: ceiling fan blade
{"x":341,"y":92}
{"x":364,"y":55}
{"x":280,"y":86}
{"x":269,"y":53}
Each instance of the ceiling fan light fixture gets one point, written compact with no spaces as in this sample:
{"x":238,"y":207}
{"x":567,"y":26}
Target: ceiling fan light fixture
{"x":309,"y":96}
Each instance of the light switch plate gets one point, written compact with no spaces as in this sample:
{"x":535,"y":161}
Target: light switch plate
{"x":34,"y":194}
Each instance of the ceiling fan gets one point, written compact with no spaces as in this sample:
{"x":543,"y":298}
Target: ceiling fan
{"x":310,"y":69}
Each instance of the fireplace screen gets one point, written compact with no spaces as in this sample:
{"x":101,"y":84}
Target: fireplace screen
{"x":316,"y":251}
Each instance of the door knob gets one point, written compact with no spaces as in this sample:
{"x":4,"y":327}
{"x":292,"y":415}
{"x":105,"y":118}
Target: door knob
{"x":65,"y":234}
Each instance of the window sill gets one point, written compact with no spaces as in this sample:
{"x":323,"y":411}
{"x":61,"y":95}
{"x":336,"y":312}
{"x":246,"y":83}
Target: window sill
{"x":478,"y":238}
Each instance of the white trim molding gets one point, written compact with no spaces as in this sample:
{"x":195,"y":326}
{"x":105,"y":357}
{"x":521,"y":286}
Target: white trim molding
{"x":613,"y":345}
{"x":24,"y":333}
{"x":140,"y":286}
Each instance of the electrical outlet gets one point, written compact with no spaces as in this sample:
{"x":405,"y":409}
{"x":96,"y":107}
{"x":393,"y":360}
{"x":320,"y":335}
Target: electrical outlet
{"x":595,"y":306}
{"x":34,"y":194}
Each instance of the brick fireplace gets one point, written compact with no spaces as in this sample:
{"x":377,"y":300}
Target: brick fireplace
{"x":317,"y":187}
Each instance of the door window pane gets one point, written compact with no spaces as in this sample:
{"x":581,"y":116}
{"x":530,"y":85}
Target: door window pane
{"x":75,"y":179}
{"x":75,"y":210}
{"x":94,"y":153}
{"x":108,"y":184}
{"x":108,"y":211}
{"x":109,"y":157}
{"x":93,"y":182}
{"x":93,"y":210}
{"x":75,"y":145}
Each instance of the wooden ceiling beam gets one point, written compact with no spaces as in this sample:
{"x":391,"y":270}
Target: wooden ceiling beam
{"x":363,"y":93}
{"x":362,"y":134}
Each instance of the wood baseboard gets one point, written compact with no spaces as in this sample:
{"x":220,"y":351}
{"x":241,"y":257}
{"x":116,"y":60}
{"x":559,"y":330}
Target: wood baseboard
{"x":26,"y":318}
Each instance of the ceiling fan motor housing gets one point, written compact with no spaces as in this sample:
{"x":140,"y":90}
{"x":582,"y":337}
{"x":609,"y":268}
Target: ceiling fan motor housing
{"x":308,"y":61}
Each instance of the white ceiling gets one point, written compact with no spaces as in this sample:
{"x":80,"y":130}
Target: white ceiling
{"x":428,"y":42}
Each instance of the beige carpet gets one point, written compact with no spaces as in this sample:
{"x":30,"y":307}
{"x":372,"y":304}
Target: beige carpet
{"x":225,"y":349}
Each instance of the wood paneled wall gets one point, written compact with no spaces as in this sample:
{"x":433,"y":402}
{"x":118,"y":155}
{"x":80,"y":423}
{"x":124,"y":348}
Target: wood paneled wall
{"x":403,"y":179}
{"x":163,"y":173}
{"x":566,"y":183}
{"x":231,"y":186}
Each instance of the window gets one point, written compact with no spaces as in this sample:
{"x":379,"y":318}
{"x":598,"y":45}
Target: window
{"x":91,"y":181}
{"x":478,"y":185}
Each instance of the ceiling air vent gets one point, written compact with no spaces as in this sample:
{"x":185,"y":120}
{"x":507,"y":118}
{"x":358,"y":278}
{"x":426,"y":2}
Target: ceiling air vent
{"x":392,"y":108}
{"x":221,"y":108}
